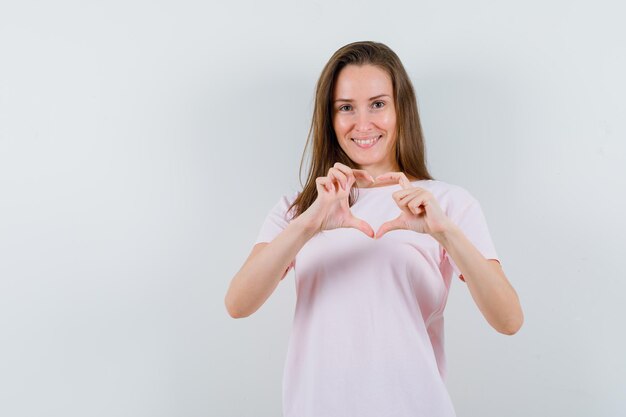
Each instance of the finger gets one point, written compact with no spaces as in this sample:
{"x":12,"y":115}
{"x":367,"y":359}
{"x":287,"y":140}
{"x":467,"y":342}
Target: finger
{"x":361,"y":173}
{"x":402,"y":197}
{"x":384,"y":180}
{"x":340,"y":165}
{"x":339,"y":176}
{"x":409,"y":194}
{"x":346,"y":170}
{"x":352,"y":173}
{"x":397,"y":177}
{"x":361,"y":225}
{"x":425,"y":196}
{"x":319,"y":184}
{"x":395,"y":224}
{"x":401,"y":194}
{"x":414,"y":204}
{"x":333,"y":184}
{"x":324,"y":184}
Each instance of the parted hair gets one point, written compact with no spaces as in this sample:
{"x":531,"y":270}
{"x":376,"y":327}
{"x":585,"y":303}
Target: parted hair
{"x":409,"y":149}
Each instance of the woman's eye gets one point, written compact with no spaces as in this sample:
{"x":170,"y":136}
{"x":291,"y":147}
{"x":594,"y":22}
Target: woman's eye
{"x":378,"y":104}
{"x":345,"y":107}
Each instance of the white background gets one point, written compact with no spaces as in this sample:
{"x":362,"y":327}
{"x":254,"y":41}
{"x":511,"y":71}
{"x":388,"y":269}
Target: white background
{"x":142,"y":144}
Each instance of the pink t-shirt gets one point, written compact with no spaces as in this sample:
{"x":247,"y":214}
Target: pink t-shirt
{"x":368,"y":332}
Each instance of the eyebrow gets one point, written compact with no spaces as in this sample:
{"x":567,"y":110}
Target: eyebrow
{"x":371,"y":98}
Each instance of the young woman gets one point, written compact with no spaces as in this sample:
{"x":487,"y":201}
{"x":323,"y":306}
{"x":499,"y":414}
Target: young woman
{"x":368,"y":336}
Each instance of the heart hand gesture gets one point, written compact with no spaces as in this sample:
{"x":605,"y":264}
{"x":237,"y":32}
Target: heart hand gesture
{"x":420,"y":211}
{"x":331,"y":210}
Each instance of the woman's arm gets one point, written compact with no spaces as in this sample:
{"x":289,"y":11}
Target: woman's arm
{"x":265,"y":267}
{"x":489,"y":286}
{"x":268,"y":262}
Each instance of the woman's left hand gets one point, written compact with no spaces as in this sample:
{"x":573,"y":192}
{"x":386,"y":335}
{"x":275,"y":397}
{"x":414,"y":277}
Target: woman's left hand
{"x":420,"y":210}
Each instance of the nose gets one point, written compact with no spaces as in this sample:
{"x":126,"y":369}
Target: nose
{"x":363,"y":122}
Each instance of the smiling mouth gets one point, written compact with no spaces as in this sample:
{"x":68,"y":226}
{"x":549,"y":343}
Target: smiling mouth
{"x":366,"y":143}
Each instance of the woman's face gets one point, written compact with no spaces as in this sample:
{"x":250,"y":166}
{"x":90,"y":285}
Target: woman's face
{"x":364,"y":117}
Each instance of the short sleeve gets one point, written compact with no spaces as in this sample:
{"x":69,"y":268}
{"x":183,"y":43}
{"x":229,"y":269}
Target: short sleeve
{"x":276,"y":220}
{"x":471,"y":220}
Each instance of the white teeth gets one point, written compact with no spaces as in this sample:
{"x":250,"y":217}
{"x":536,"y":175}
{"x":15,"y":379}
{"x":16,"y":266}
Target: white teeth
{"x":365,"y":141}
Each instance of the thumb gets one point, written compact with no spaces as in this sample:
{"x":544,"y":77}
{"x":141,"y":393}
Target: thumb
{"x":361,"y":225}
{"x":394,"y":224}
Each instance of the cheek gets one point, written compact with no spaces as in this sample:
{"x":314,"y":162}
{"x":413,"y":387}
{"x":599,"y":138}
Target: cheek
{"x":390,"y":121}
{"x":387,"y":122}
{"x":341,"y":126}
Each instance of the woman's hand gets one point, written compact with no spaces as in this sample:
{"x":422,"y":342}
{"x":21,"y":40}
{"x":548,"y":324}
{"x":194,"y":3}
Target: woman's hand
{"x":420,"y":211}
{"x":330,"y":210}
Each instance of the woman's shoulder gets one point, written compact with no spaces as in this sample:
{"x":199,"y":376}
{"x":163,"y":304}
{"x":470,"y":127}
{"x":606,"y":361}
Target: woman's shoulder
{"x":446,"y":189}
{"x":291,"y":196}
{"x":452,"y":198}
{"x":286,"y":200}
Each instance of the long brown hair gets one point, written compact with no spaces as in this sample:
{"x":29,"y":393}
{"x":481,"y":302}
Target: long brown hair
{"x":410,"y":149}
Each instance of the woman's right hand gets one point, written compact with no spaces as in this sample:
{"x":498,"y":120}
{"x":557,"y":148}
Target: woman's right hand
{"x":330,"y":210}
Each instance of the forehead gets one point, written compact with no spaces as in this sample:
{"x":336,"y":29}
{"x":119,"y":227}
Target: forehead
{"x":362,"y":82}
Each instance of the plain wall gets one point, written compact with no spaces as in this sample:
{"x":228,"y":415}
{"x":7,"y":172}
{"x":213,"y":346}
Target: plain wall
{"x":143,"y":143}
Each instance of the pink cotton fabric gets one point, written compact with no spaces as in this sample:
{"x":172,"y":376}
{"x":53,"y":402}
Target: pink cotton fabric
{"x":368,"y":330}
